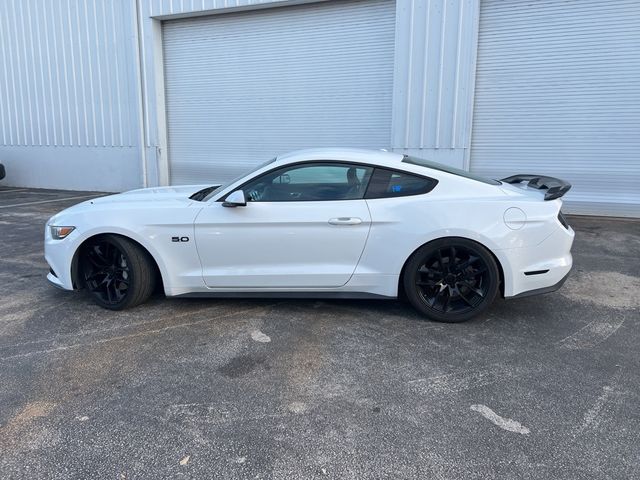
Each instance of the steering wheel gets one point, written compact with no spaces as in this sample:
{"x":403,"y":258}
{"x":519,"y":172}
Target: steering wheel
{"x":256,"y":194}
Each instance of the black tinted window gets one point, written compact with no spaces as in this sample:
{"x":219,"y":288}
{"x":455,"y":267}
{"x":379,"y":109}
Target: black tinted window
{"x":388,"y":183}
{"x":310,"y":182}
{"x":444,"y":168}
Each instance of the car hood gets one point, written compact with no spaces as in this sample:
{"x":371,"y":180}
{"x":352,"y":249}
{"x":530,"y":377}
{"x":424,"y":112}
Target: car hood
{"x":152,"y":194}
{"x":158,"y":197}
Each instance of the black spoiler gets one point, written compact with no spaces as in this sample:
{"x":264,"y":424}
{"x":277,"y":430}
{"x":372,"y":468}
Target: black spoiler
{"x":555,"y":187}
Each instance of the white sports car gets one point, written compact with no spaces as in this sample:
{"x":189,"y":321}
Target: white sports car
{"x":325,"y":223}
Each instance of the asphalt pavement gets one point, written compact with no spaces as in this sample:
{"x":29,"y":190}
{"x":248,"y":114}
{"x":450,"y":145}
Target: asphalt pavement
{"x":543,"y":387}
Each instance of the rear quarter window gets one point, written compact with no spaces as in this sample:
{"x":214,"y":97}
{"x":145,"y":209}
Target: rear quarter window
{"x":421,"y":162}
{"x":391,"y":183}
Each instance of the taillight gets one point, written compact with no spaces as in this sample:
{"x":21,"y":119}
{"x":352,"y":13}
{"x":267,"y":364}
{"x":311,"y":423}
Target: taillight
{"x":563,"y":220}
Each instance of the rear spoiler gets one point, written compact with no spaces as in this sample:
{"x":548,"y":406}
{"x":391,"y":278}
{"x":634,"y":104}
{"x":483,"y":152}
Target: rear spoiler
{"x":555,"y":187}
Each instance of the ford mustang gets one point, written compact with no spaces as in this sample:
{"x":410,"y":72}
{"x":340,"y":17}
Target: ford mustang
{"x":343,"y":223}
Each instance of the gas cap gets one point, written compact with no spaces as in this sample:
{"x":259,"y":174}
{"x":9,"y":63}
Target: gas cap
{"x":515,"y":218}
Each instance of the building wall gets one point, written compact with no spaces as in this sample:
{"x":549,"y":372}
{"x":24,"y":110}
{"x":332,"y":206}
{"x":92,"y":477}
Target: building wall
{"x":436,"y":44}
{"x":70,"y":105}
{"x":84,"y":100}
{"x":557,"y":92}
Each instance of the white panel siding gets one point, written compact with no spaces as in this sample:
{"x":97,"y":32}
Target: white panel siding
{"x":69,"y":96}
{"x":434,"y":77}
{"x":434,"y":69}
{"x":558,"y":93}
{"x":66,"y":74}
{"x":173,"y":7}
{"x":105,"y":169}
{"x":81,"y":76}
{"x":244,"y":87}
{"x":152,"y":10}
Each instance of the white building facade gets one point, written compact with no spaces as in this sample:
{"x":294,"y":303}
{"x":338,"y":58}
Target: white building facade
{"x":112,"y":95}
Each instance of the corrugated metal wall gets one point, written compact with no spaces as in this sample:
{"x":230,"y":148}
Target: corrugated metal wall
{"x":82,"y":93}
{"x":558,"y":93}
{"x":433,"y":71}
{"x":435,"y":68}
{"x":67,"y":80}
{"x":232,"y":103}
{"x":75,"y":93}
{"x":66,"y":74}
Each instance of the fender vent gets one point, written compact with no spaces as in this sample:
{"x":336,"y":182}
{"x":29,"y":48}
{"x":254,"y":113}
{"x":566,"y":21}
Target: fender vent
{"x":536,"y":272}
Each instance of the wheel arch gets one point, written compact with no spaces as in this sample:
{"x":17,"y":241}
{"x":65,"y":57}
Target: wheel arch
{"x":75,"y":261}
{"x":401,"y":293}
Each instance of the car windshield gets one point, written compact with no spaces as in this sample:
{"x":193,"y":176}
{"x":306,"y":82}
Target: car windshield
{"x":445,"y":168}
{"x":212,"y":190}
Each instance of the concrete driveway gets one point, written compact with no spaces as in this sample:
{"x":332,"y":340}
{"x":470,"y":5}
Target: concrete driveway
{"x":542,"y":387}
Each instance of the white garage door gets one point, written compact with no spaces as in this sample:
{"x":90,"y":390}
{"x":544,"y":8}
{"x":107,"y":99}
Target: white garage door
{"x":558,"y":93}
{"x":243,"y":87}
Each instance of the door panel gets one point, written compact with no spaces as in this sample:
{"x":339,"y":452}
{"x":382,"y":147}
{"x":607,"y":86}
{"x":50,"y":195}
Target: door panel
{"x":282,"y":244}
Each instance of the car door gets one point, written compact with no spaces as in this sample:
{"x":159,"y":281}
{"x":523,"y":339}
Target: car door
{"x":303,"y":226}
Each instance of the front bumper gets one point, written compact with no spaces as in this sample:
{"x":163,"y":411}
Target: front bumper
{"x":59,"y":256}
{"x":55,"y":281}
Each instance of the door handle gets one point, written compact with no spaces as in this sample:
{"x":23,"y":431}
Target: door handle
{"x":345,"y":221}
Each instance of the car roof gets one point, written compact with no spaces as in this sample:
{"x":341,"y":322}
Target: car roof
{"x":379,"y":157}
{"x":382,"y":158}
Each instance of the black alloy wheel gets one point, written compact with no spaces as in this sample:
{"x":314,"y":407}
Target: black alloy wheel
{"x":116,"y":272}
{"x":451,"y":280}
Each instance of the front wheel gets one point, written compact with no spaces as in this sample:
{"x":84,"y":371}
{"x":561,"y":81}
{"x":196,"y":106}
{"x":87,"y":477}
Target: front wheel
{"x":117,"y":272}
{"x":451,"y":280}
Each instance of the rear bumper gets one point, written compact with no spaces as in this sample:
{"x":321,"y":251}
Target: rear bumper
{"x":539,"y":269}
{"x":540,"y":291}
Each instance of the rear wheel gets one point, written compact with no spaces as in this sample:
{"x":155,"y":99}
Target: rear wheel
{"x":451,"y":280}
{"x":117,"y":272}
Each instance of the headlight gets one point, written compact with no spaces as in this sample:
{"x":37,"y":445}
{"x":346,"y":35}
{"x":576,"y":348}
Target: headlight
{"x":58,"y":233}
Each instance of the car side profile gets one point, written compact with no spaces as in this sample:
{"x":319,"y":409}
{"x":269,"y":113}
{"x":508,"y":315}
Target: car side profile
{"x":328,"y":223}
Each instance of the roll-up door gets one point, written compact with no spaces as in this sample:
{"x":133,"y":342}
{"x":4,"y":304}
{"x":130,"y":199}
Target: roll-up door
{"x":558,"y":93}
{"x":243,"y":87}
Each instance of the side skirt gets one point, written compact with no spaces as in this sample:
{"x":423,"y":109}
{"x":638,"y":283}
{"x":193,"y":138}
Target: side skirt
{"x":328,"y":295}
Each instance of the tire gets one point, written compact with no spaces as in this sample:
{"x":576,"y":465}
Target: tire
{"x":116,"y":272}
{"x":451,"y":279}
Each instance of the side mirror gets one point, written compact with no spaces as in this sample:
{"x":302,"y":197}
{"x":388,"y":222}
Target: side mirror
{"x":235,"y":199}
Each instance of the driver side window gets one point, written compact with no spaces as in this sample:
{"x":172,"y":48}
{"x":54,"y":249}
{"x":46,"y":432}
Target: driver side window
{"x":310,"y":182}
